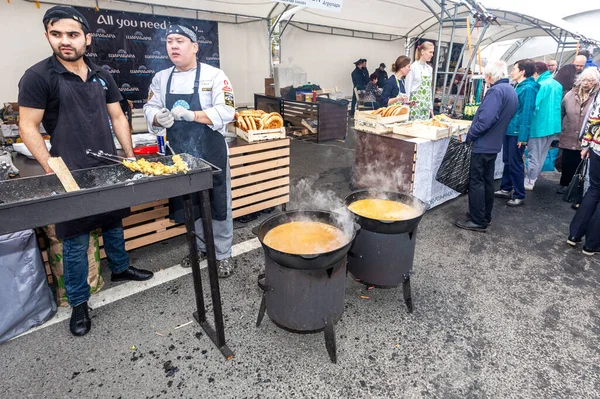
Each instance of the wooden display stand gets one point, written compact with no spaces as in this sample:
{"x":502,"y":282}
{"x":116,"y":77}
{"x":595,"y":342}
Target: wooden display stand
{"x":332,"y":118}
{"x":260,"y":175}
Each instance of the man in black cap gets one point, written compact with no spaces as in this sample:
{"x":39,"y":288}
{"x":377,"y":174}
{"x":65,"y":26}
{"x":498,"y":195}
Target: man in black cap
{"x":78,"y":104}
{"x":359,"y":80}
{"x":382,"y":75}
{"x":365,"y":72}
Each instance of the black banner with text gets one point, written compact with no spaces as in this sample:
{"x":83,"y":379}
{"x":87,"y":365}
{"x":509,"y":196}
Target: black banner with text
{"x":132,"y":47}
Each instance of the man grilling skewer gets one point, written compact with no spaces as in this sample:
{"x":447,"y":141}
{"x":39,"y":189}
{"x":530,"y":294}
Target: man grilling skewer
{"x":194,"y":102}
{"x":77,"y":101}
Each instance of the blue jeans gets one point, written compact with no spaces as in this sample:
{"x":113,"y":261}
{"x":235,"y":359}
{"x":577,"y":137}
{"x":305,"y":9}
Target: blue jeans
{"x":513,"y":176}
{"x":75,"y":262}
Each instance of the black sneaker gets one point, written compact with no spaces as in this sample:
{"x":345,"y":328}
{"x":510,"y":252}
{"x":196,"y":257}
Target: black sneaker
{"x":573,"y":241}
{"x":80,"y":320}
{"x":469,"y":225}
{"x":489,"y":221}
{"x":561,"y":190}
{"x":590,"y":252}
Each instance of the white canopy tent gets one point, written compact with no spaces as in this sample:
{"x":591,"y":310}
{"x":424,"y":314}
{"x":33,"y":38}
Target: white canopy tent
{"x":379,"y":30}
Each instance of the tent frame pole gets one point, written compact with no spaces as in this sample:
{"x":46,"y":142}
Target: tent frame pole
{"x":444,"y":100}
{"x":439,"y":45}
{"x":462,"y":82}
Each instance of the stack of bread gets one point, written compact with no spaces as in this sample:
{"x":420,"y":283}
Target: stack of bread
{"x":392,"y":110}
{"x":258,"y":120}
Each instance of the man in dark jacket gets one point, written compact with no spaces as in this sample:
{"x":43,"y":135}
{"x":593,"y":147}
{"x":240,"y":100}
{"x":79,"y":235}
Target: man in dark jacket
{"x":382,"y":76}
{"x":365,"y":72}
{"x":486,"y":135}
{"x":359,"y":81}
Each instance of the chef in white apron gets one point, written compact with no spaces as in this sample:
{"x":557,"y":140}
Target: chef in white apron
{"x":194,"y":102}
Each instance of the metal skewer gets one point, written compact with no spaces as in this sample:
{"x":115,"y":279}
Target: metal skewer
{"x":102,"y":155}
{"x":100,"y":152}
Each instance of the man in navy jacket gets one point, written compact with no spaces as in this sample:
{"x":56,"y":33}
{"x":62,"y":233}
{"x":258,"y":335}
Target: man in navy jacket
{"x":486,"y":135}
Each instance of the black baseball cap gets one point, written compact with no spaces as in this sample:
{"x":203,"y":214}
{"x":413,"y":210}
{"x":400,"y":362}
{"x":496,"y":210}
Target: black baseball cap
{"x":382,"y":65}
{"x":65,"y":12}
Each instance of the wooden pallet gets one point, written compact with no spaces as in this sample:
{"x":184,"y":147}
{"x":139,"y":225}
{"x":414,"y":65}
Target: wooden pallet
{"x":260,"y":176}
{"x":295,"y":112}
{"x":147,"y":224}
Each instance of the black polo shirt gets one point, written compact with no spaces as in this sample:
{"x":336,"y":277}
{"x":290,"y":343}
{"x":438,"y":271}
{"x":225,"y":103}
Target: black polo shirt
{"x":38,"y":88}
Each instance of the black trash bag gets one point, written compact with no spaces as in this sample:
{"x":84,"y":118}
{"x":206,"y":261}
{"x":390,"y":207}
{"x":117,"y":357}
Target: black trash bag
{"x":455,"y":168}
{"x":574,"y":192}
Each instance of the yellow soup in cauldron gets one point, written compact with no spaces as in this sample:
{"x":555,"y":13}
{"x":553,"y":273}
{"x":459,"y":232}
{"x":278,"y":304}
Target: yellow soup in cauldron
{"x":382,"y":209}
{"x":305,"y":238}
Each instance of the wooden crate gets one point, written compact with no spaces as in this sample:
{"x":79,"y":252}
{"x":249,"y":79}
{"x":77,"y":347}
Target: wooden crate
{"x":368,"y":116}
{"x":365,"y":121}
{"x":147,"y":224}
{"x":260,"y":175}
{"x":421,"y":131}
{"x":252,"y":136}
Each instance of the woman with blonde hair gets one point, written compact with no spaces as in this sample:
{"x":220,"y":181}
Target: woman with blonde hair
{"x":574,"y":108}
{"x":419,"y":83}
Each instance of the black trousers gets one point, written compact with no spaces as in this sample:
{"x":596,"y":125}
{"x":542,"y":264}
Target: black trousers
{"x":481,"y":188}
{"x":570,"y":162}
{"x":586,"y":221}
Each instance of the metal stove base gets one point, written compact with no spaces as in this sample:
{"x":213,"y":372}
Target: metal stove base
{"x":406,"y":290}
{"x":384,"y":261}
{"x":328,"y":329}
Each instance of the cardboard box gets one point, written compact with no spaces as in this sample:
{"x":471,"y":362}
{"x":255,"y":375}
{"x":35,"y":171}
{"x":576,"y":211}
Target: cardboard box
{"x":270,"y":87}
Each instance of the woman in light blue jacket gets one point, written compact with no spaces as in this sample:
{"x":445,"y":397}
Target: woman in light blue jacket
{"x":546,"y":123}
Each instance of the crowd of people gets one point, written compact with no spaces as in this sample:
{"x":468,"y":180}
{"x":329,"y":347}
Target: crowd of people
{"x":410,"y":83}
{"x":544,"y":106}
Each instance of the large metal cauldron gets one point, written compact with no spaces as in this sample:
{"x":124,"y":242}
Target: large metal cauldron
{"x":383,"y":253}
{"x":304,"y":293}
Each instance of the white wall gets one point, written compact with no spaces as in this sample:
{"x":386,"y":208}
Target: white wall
{"x":329,"y":60}
{"x":23,"y":44}
{"x":243,"y":50}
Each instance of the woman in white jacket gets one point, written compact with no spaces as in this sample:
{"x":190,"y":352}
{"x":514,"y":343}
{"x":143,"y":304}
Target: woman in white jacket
{"x":419,"y":83}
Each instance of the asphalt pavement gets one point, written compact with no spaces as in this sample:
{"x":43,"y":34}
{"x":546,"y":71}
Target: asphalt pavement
{"x":511,"y":313}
